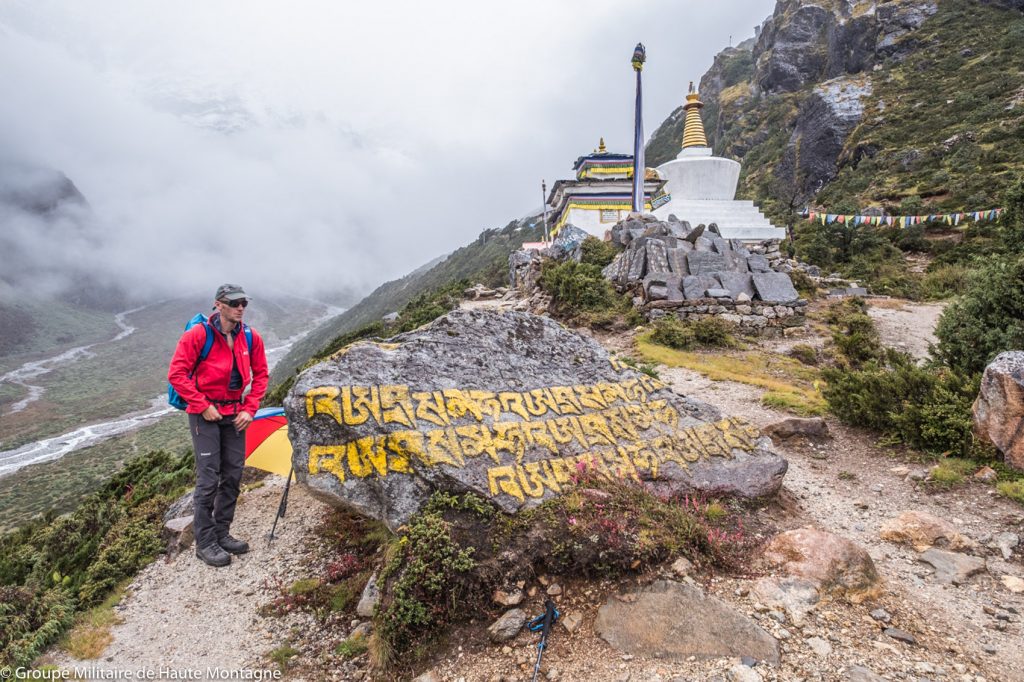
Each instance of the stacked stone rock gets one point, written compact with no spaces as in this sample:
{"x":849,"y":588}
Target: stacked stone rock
{"x":693,"y":273}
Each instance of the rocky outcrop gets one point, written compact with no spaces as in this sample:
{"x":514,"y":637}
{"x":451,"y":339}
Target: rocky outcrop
{"x":807,"y":42}
{"x":999,"y":408}
{"x":509,"y":406}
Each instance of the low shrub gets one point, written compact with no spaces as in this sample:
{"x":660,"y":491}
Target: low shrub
{"x":987,"y":320}
{"x":806,"y":354}
{"x":711,"y":332}
{"x":576,"y":287}
{"x":853,"y":332}
{"x":928,"y":408}
{"x":803,"y":283}
{"x":1013,"y":490}
{"x":951,"y":471}
{"x":597,"y":252}
{"x":944,"y":281}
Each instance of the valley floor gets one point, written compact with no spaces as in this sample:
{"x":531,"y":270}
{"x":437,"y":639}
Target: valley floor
{"x":182,"y":614}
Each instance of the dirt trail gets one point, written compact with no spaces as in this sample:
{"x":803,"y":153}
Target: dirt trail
{"x":906,"y":326}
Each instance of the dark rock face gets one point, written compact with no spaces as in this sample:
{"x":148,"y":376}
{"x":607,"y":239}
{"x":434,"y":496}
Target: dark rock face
{"x":509,"y":406}
{"x":793,"y":47}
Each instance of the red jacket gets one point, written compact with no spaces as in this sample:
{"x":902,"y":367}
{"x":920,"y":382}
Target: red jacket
{"x":210,"y":383}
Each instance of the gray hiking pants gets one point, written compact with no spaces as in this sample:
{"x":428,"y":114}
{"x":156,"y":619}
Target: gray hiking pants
{"x":220,"y":456}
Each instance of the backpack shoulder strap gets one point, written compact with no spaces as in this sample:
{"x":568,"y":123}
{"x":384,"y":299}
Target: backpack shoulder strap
{"x":209,"y":343}
{"x":248,"y":336}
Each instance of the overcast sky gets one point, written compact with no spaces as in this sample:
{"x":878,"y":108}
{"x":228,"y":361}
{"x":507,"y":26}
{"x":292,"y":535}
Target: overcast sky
{"x":316,"y":144}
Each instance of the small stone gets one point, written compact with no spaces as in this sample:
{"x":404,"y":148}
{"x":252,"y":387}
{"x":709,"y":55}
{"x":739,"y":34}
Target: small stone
{"x":429,"y":676}
{"x":507,"y":626}
{"x":881,"y":615}
{"x":682,"y":566}
{"x":742,"y":673}
{"x":989,"y":649}
{"x":858,"y":673}
{"x":554,"y":590}
{"x":877,"y":488}
{"x":1005,"y":543}
{"x":1013,"y":583}
{"x":508,"y":598}
{"x":901,"y":635}
{"x":985,"y":475}
{"x":369,"y":599}
{"x":900,"y":471}
{"x":819,"y":646}
{"x":571,"y":622}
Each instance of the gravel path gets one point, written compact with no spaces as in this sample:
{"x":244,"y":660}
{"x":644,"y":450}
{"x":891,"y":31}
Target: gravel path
{"x":908,"y":326}
{"x":185,"y":615}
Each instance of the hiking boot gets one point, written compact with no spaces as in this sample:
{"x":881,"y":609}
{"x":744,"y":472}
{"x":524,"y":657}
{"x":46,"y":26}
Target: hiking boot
{"x":213,"y":555}
{"x":233,"y":545}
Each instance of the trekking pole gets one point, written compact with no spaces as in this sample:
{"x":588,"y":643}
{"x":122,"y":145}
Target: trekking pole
{"x":543,"y":624}
{"x":283,"y":506}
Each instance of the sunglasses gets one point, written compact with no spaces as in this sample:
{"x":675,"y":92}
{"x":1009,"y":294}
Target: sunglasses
{"x":234,"y":304}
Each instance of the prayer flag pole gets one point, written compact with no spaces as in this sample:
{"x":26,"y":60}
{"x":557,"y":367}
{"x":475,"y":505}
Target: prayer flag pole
{"x":639,"y":166}
{"x":544,"y":203}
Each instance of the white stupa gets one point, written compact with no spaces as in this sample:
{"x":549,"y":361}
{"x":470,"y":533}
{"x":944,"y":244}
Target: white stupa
{"x":702,"y":187}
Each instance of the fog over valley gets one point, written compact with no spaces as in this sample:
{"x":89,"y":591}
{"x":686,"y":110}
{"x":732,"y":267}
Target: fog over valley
{"x":317,"y":149}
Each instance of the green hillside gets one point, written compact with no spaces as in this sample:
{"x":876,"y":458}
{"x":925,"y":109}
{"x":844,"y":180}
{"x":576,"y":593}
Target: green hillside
{"x":942,"y":127}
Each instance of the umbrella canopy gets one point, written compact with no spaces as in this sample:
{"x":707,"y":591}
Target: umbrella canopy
{"x":266,"y":442}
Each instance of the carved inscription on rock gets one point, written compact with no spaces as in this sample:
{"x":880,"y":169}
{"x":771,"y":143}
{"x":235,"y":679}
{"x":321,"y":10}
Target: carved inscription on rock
{"x":511,"y":407}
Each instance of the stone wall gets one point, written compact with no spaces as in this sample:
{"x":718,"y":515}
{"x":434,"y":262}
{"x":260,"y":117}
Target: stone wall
{"x":758,"y":316}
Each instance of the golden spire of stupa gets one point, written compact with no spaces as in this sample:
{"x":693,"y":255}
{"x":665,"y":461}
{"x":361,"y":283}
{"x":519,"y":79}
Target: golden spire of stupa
{"x":693,"y":127}
{"x":601,"y":149}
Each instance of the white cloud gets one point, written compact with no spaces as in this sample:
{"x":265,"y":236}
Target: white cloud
{"x":363,"y":139}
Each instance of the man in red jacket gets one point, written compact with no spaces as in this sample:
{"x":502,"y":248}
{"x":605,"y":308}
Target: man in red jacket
{"x":223,"y":392}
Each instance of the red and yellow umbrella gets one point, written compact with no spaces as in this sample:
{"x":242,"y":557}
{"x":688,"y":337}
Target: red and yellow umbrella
{"x":266,"y":442}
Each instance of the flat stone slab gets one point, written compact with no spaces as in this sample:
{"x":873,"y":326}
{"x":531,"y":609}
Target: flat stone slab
{"x":775,"y":287}
{"x":509,"y":406}
{"x":737,"y":283}
{"x":674,"y":621}
{"x":705,"y":262}
{"x":952,"y":567}
{"x":695,"y":286}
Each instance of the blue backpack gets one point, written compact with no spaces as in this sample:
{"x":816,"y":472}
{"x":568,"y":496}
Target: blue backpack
{"x":175,"y":400}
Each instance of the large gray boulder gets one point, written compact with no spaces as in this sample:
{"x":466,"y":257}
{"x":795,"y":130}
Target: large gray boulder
{"x":999,"y":407}
{"x":512,"y":407}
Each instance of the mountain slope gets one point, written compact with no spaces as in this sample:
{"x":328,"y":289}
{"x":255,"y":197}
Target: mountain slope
{"x":909,"y":105}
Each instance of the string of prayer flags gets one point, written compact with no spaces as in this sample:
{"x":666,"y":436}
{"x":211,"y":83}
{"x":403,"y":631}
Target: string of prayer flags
{"x":902,"y":221}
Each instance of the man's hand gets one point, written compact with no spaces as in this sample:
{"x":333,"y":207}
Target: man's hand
{"x":211,"y":414}
{"x":242,"y":420}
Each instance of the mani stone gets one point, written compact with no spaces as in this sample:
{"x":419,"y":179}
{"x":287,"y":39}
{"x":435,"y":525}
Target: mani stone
{"x":638,"y":265}
{"x":737,"y":283}
{"x":511,"y":407}
{"x":657,"y":261}
{"x":776,"y":287}
{"x":663,"y":285}
{"x":677,"y":261}
{"x":758,"y":263}
{"x":694,"y":234}
{"x":694,"y":286}
{"x":705,"y":262}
